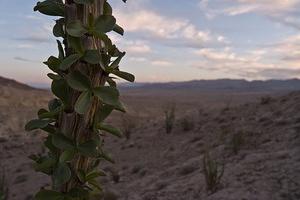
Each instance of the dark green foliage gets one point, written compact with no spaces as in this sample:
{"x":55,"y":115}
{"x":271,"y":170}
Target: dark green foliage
{"x":3,"y":185}
{"x":213,"y":173}
{"x":169,"y":118}
{"x":51,"y":7}
{"x":78,"y":94}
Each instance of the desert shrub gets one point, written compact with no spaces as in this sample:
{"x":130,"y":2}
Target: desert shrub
{"x":169,"y":118}
{"x":86,"y":93}
{"x":237,"y":141}
{"x":3,"y":185}
{"x":128,"y":124}
{"x":265,"y":100}
{"x":213,"y":173}
{"x":187,"y":124}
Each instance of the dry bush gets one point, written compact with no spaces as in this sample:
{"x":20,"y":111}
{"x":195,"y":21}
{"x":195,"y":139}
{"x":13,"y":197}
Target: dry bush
{"x":169,"y":118}
{"x":187,"y":124}
{"x":128,"y":126}
{"x":213,"y":173}
{"x":265,"y":100}
{"x":237,"y":141}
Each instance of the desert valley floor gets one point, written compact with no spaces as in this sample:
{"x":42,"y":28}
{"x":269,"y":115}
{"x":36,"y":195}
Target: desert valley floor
{"x":255,"y":136}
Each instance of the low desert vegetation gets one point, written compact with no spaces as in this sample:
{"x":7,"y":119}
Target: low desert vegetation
{"x":187,"y":124}
{"x":3,"y":185}
{"x":128,"y":126}
{"x":213,"y":173}
{"x":265,"y":100}
{"x":170,"y":118}
{"x":237,"y":142}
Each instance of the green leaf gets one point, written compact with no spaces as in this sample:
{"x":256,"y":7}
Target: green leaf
{"x":61,"y":174}
{"x":95,"y":174}
{"x":76,"y":44}
{"x":111,"y":82}
{"x":104,"y":38}
{"x":79,"y":81}
{"x":78,"y":193}
{"x":61,"y":89}
{"x":67,"y":155}
{"x":120,"y":107}
{"x":69,"y":61}
{"x":102,"y":113}
{"x":104,"y":24}
{"x":92,"y":56}
{"x":58,"y":29}
{"x":110,"y":129}
{"x":48,"y":143}
{"x":81,"y":175}
{"x":54,"y":76}
{"x":44,"y":165}
{"x":51,"y":7}
{"x":54,"y":104}
{"x":76,"y":29}
{"x":107,"y":157}
{"x":118,"y":29}
{"x":108,"y":95}
{"x":125,"y":75}
{"x":114,"y":51}
{"x":107,"y":9}
{"x":36,"y":124}
{"x":88,"y":148}
{"x":95,"y":184}
{"x":49,"y":195}
{"x":83,"y":102}
{"x":53,"y":63}
{"x":116,"y":62}
{"x":62,"y":142}
{"x":49,"y":129}
{"x":84,"y":1}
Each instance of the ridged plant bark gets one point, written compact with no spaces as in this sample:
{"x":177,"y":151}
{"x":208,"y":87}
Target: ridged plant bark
{"x":75,"y":125}
{"x":86,"y":93}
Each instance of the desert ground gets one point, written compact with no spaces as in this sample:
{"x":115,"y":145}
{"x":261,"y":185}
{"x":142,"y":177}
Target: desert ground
{"x":253,"y":137}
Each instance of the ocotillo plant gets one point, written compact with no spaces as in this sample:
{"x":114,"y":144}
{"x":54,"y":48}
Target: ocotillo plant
{"x":83,"y":81}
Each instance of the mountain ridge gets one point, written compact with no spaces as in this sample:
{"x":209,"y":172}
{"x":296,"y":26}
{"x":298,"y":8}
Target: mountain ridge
{"x":238,"y":85}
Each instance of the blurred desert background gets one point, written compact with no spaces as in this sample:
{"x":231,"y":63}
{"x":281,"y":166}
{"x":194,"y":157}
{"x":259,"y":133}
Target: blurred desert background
{"x":250,"y":129}
{"x":214,"y":113}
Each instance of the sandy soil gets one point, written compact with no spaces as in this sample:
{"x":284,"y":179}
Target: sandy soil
{"x":153,"y":165}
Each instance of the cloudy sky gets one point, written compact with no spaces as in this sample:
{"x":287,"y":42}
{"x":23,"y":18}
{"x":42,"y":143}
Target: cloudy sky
{"x":170,"y":40}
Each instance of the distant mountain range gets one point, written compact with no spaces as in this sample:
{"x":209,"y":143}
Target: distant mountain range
{"x":234,"y":85}
{"x":222,"y":85}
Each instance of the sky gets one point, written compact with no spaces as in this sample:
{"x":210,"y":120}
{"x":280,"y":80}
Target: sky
{"x":169,"y":40}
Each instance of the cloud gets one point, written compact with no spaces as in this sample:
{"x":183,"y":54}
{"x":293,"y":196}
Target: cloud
{"x":278,"y":73}
{"x":136,"y":47}
{"x":23,"y":59}
{"x":149,"y":25}
{"x":162,"y":63}
{"x":279,"y":60}
{"x":40,"y":35}
{"x":282,"y":11}
{"x":25,"y":46}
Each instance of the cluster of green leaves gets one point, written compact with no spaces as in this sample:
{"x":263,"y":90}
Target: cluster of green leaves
{"x":66,"y":81}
